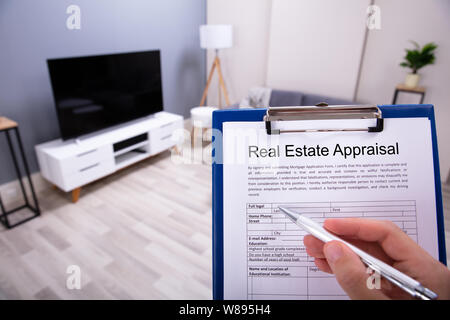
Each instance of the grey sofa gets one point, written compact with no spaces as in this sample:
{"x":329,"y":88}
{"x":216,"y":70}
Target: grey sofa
{"x":280,"y":98}
{"x":296,"y":98}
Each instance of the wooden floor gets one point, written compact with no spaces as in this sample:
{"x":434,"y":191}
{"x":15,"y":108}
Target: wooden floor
{"x":143,"y":233}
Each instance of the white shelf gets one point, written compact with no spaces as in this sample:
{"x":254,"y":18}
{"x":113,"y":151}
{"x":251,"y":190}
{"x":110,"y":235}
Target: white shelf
{"x":128,"y":158}
{"x":71,"y":164}
{"x":135,"y":146}
{"x":60,"y":149}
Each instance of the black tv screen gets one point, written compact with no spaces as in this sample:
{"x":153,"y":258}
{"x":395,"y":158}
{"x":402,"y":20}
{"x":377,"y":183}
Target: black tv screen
{"x":96,"y":92}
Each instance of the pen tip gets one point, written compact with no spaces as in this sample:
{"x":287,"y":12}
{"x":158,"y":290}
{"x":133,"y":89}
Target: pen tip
{"x":290,"y":214}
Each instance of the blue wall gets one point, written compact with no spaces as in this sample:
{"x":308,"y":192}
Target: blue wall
{"x":32,"y":31}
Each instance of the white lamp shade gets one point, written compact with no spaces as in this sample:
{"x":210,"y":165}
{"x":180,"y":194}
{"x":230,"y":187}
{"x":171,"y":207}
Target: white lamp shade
{"x":216,"y":36}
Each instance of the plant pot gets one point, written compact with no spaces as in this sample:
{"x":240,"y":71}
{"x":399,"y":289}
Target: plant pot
{"x":412,"y":80}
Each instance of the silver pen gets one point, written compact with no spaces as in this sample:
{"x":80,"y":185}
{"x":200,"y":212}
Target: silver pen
{"x":408,"y":284}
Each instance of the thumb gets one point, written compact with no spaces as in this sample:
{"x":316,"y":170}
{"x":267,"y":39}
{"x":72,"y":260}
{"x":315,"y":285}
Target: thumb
{"x":350,"y":272}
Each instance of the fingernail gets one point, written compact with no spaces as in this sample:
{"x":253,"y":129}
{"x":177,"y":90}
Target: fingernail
{"x":333,"y":251}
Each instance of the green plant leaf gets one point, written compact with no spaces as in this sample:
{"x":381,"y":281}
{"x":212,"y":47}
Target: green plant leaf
{"x":415,"y":44}
{"x":419,"y":57}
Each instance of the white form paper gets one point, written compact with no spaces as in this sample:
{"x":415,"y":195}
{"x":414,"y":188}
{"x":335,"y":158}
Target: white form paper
{"x":387,"y":175}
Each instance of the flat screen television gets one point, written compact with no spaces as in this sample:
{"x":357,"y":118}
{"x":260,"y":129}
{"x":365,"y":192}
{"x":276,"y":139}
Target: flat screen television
{"x":95,"y":92}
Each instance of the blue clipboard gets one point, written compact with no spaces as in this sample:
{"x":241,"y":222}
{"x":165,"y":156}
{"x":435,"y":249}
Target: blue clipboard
{"x":249,"y":115}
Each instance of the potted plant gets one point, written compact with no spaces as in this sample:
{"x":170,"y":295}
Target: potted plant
{"x":416,"y":59}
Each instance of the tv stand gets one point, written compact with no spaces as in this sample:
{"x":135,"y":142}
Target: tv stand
{"x":69,"y":165}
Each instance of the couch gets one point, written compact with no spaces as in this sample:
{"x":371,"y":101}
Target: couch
{"x":280,"y":98}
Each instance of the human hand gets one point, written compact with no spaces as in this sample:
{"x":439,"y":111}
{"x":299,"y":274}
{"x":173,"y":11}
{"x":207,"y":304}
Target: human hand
{"x":385,"y":241}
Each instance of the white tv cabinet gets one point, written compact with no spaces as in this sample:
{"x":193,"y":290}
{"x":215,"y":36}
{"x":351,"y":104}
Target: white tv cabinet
{"x":71,"y":164}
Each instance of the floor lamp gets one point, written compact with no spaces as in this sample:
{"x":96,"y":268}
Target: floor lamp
{"x":216,"y":37}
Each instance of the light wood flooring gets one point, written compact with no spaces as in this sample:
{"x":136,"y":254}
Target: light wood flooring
{"x":143,"y":233}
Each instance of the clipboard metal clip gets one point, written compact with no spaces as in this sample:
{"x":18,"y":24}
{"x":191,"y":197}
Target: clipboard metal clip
{"x":323,"y":111}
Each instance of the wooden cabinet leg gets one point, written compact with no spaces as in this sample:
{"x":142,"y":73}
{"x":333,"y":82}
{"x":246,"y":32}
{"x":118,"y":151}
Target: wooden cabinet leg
{"x":194,"y":137}
{"x":176,"y":150}
{"x":76,"y":194}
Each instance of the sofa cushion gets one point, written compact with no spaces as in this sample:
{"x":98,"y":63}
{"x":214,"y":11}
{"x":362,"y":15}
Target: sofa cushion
{"x":280,"y":98}
{"x":313,"y":99}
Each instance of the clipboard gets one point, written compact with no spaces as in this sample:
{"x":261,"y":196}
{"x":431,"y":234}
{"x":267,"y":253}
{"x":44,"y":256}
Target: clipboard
{"x":321,"y":111}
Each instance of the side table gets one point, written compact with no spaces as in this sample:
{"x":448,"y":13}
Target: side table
{"x":7,"y":126}
{"x":403,"y":88}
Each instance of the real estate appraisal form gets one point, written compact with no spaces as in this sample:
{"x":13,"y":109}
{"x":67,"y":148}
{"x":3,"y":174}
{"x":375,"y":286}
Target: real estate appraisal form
{"x":387,"y":175}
